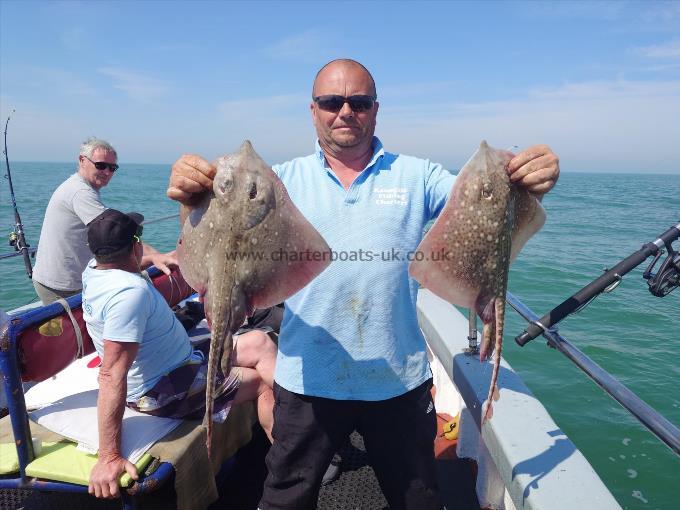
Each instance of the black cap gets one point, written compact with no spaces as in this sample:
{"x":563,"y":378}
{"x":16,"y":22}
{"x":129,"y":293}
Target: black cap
{"x":113,"y":230}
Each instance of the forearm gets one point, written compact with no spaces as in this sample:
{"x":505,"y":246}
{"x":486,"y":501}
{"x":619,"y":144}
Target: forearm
{"x":110,"y":408}
{"x":148,"y":250}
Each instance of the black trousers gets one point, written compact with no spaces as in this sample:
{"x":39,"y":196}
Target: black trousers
{"x":398,"y":434}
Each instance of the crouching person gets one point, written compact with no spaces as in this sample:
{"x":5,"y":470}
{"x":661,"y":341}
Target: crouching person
{"x":148,"y":362}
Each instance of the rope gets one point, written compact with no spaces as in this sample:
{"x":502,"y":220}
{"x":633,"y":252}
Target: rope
{"x":76,"y":328}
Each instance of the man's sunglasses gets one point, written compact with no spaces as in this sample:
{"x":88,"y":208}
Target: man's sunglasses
{"x":138,"y":233}
{"x":334,"y":103}
{"x":102,"y":165}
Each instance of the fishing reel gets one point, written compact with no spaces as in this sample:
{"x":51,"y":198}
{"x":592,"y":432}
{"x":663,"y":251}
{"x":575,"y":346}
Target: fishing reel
{"x":667,"y":278}
{"x":13,"y":239}
{"x":662,"y":283}
{"x":17,"y":240}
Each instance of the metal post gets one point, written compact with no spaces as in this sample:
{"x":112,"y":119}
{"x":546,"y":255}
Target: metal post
{"x":473,"y":347}
{"x":9,"y":367}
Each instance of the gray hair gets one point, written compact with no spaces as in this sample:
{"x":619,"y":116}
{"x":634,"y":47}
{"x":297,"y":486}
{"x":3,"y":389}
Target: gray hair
{"x":93,"y":143}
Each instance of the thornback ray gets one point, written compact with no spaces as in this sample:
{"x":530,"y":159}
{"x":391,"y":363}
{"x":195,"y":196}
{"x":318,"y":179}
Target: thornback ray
{"x":467,"y":253}
{"x":245,"y":246}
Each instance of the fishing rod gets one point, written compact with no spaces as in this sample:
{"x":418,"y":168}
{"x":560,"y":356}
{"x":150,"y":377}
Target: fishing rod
{"x":32,"y":250}
{"x":11,"y":254}
{"x":666,"y":279}
{"x":16,"y":236}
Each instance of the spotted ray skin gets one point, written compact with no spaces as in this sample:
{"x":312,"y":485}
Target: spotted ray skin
{"x":468,"y":251}
{"x":238,"y":250}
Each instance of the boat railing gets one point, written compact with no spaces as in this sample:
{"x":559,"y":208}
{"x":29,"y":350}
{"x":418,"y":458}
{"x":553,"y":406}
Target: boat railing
{"x":661,"y":283}
{"x":11,"y":254}
{"x":648,"y":416}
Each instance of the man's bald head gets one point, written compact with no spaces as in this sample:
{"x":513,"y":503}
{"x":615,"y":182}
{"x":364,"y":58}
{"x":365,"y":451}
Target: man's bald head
{"x":343,"y":62}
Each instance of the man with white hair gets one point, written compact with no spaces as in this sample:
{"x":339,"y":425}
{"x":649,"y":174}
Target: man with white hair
{"x":63,"y":252}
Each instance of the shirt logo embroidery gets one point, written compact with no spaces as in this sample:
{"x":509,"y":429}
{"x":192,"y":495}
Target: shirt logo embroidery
{"x":391,"y":196}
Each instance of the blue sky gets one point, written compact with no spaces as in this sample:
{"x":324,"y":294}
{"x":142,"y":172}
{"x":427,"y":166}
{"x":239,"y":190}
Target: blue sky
{"x":598,"y":81}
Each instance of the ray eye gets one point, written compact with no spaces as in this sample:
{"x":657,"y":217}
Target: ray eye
{"x":226,"y":184}
{"x":253,"y":191}
{"x":486,"y":190}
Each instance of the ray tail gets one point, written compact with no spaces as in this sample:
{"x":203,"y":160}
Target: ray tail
{"x":498,"y":346}
{"x":220,"y":337}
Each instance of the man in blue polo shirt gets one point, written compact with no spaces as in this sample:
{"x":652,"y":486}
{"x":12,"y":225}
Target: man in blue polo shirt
{"x":351,"y":354}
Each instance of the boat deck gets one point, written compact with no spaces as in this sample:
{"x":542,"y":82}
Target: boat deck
{"x":356,"y":488}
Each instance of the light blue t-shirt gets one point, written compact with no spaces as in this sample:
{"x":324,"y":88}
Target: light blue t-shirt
{"x":124,"y":307}
{"x":352,"y":333}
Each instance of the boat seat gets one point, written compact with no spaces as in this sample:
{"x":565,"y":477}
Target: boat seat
{"x":48,"y":342}
{"x":40,"y":343}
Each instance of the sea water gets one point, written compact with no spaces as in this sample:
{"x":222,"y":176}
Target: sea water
{"x":594,"y":221}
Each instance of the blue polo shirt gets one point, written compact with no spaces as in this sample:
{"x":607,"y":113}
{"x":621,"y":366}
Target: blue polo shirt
{"x":352,"y":333}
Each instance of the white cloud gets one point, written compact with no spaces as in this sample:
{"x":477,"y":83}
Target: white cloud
{"x":136,"y":85}
{"x":61,"y":81}
{"x":670,"y":50}
{"x":59,"y":135}
{"x":176,"y":47}
{"x":593,"y":126}
{"x":608,"y":90}
{"x":598,"y":126}
{"x":310,"y":46}
{"x":591,"y":10}
{"x":400,"y":91}
{"x":662,"y":12}
{"x":280,"y":105}
{"x":280,"y":127}
{"x":661,"y":68}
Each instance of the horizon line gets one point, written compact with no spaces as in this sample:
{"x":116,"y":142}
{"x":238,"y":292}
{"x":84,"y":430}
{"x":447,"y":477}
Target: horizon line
{"x":562,"y":170}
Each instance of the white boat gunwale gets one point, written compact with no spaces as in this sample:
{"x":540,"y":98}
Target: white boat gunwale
{"x":538,"y":464}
